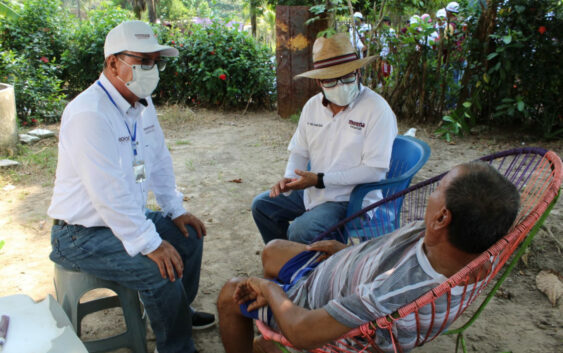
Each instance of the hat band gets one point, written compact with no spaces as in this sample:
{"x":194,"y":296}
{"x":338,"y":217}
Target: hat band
{"x":337,"y":60}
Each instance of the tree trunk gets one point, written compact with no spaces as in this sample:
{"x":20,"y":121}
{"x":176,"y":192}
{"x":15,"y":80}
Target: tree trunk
{"x":253,"y":4}
{"x":152,"y":10}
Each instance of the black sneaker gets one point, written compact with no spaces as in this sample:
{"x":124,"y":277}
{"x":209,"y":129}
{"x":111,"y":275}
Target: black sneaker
{"x":202,"y":320}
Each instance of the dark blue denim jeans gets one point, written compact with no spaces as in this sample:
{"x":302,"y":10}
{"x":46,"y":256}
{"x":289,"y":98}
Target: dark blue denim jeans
{"x":97,"y":250}
{"x":273,"y":216}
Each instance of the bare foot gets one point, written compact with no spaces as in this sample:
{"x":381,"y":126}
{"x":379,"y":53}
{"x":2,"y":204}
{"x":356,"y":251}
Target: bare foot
{"x":263,"y":346}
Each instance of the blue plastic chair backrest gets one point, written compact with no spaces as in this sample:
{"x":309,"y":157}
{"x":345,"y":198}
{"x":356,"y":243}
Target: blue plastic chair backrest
{"x":407,"y":157}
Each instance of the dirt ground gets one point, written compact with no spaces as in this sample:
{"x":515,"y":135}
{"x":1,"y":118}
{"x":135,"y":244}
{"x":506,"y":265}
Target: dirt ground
{"x":213,"y":150}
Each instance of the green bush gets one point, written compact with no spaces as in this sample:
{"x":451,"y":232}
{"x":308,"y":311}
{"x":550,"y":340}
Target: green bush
{"x":523,"y":78}
{"x":32,"y":44}
{"x":217,"y":66}
{"x":83,"y":60}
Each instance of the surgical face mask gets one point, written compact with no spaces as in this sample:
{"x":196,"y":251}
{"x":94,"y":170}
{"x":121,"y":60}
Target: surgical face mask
{"x":144,"y":82}
{"x":343,"y":93}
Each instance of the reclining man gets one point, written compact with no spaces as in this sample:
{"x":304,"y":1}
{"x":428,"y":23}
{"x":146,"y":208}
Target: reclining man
{"x":315,"y":301}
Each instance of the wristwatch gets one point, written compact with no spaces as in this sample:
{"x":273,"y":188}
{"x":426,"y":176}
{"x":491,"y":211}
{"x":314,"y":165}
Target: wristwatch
{"x":320,"y":181}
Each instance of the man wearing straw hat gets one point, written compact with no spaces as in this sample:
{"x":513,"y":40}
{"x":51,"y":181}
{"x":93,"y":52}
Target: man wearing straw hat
{"x":345,"y":134}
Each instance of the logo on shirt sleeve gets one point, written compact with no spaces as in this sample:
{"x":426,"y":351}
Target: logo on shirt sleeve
{"x":149,"y":129}
{"x":356,"y":125}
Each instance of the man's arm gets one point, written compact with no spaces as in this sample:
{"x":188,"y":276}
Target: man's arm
{"x":305,"y":329}
{"x":162,"y":180}
{"x":353,"y":176}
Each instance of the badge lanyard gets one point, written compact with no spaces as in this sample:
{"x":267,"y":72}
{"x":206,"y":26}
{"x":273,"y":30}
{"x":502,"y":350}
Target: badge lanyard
{"x":138,"y":165}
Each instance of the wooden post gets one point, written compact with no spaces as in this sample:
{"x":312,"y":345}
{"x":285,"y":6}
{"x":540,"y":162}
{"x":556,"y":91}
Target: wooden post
{"x":294,"y":44}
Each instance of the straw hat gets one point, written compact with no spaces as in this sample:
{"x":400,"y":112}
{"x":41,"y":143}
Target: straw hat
{"x":334,"y":57}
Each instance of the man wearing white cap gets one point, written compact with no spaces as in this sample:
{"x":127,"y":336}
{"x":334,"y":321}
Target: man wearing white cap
{"x":111,"y":153}
{"x":452,"y":9}
{"x":358,"y":34}
{"x":345,"y":134}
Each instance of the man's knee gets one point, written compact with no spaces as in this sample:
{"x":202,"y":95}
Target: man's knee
{"x":258,"y":203}
{"x":225,"y":301}
{"x":301,"y":231}
{"x":277,"y":253}
{"x":270,"y":255}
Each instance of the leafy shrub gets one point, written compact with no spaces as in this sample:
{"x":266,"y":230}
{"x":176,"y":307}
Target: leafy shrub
{"x":32,"y":44}
{"x":83,"y":60}
{"x":522,"y":80}
{"x":217,"y":66}
{"x":37,"y":88}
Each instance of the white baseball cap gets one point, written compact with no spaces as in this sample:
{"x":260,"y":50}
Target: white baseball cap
{"x":358,"y":15}
{"x":441,"y":13}
{"x":136,"y":36}
{"x":453,"y":7}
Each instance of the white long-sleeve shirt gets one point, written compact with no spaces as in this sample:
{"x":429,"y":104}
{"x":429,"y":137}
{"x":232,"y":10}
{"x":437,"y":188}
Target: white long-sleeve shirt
{"x":357,"y":140}
{"x":95,"y":184}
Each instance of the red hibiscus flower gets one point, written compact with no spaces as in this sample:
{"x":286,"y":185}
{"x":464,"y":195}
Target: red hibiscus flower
{"x":44,"y":59}
{"x":173,"y":42}
{"x":542,"y":29}
{"x":223,"y":77}
{"x":212,"y":52}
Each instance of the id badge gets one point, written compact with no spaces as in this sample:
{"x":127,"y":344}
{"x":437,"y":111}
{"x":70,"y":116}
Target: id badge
{"x":139,"y":171}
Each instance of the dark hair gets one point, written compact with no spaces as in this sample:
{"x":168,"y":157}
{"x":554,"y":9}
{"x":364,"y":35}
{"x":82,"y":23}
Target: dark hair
{"x":483,"y":204}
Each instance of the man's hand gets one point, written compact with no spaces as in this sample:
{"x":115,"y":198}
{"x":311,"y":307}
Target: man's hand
{"x":188,"y":218}
{"x":307,"y":179}
{"x":251,"y":289}
{"x":329,"y":247}
{"x":168,"y":260}
{"x":281,"y":186}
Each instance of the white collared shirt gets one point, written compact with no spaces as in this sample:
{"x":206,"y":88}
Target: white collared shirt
{"x":360,"y":135}
{"x":95,"y":184}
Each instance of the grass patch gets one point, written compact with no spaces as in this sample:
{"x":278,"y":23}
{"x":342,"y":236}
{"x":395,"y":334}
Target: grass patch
{"x":294,"y":118}
{"x":171,"y":115}
{"x":38,"y":163}
{"x":183,"y":142}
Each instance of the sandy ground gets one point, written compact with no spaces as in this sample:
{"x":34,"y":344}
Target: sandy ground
{"x":212,"y":150}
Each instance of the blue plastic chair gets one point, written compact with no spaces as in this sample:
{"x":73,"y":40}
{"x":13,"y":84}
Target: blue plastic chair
{"x":408,"y":156}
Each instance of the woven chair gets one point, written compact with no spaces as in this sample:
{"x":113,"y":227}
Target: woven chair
{"x":536,"y":173}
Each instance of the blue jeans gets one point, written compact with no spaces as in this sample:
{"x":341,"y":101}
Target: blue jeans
{"x":97,"y":250}
{"x":273,"y":215}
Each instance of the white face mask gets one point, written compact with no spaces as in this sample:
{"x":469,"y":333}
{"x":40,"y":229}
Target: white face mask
{"x":342,"y":94}
{"x":144,"y":82}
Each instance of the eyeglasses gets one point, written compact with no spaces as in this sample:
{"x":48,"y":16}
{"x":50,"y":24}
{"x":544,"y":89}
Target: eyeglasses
{"x":345,"y":80}
{"x":147,"y":63}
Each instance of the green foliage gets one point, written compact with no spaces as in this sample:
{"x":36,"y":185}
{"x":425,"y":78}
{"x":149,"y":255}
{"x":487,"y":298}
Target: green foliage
{"x":514,"y":77}
{"x":9,"y":9}
{"x":174,"y":10}
{"x":83,"y":59}
{"x":422,"y":83}
{"x":522,"y":80}
{"x":217,"y":66}
{"x":503,"y":69}
{"x":32,"y":44}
